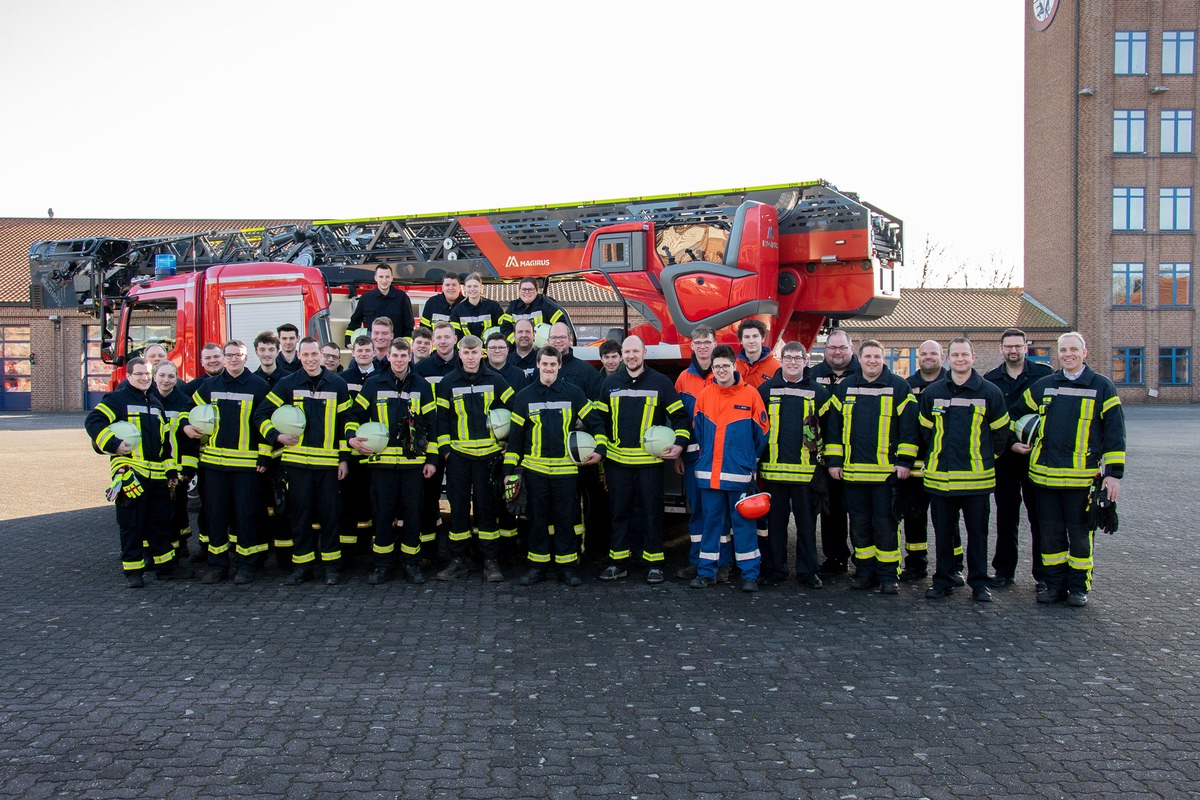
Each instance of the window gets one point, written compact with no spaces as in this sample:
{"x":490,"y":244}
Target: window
{"x":1127,"y":365}
{"x":1129,"y":208}
{"x":902,"y":361}
{"x":15,"y":383}
{"x":1175,"y":134}
{"x":1127,"y":278}
{"x":1175,"y":284}
{"x":1175,"y":208}
{"x":151,"y":322}
{"x":1179,"y":53}
{"x":1039,"y":354}
{"x":1130,"y":53}
{"x":1129,"y":131}
{"x":1174,"y":366}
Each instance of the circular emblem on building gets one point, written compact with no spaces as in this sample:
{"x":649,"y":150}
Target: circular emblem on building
{"x":1043,"y":13}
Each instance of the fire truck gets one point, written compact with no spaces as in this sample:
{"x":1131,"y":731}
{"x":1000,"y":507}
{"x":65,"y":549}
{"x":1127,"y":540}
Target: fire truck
{"x":798,"y":256}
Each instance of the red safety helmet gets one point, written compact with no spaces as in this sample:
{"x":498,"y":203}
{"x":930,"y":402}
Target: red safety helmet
{"x":754,"y":506}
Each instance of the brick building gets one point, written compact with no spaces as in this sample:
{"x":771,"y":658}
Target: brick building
{"x":1110,"y":181}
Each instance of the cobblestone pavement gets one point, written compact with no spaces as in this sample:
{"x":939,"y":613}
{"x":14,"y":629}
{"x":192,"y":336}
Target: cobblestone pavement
{"x":470,"y":690}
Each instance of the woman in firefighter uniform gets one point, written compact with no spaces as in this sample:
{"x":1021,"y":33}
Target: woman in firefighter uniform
{"x":142,"y":475}
{"x":533,"y":306}
{"x":403,"y":402}
{"x":465,"y":399}
{"x":1081,"y":441}
{"x":964,"y":429}
{"x":543,"y":416}
{"x":872,"y":442}
{"x":231,"y":458}
{"x":314,"y":461}
{"x":476,"y":313}
{"x":185,"y":449}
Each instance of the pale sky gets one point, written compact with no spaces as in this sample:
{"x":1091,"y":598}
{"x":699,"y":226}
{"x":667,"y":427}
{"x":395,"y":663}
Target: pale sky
{"x":269,"y":110}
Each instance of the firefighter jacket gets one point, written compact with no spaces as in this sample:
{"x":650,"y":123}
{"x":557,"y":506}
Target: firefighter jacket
{"x":464,"y":400}
{"x":526,"y":363}
{"x":690,"y":383}
{"x":1014,"y":388}
{"x":235,"y":442}
{"x":406,"y":407}
{"x":823,"y":373}
{"x":1082,"y":431}
{"x":872,"y":427}
{"x":514,"y":375}
{"x":189,"y":389}
{"x":438,"y":309}
{"x":395,"y":305}
{"x":964,"y":429}
{"x":579,"y":372}
{"x":797,"y":414}
{"x":273,"y":377}
{"x":185,"y":449}
{"x":630,"y":405}
{"x":917,"y":383}
{"x":542,"y":309}
{"x":473,"y":320}
{"x":434,"y":368}
{"x":325,"y":400}
{"x":288,"y":367}
{"x":152,"y":458}
{"x":355,"y":376}
{"x":758,"y":373}
{"x":542,"y":417}
{"x":731,"y":428}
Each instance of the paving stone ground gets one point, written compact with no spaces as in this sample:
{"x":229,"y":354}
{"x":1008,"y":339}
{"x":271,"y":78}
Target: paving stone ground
{"x":470,"y":690}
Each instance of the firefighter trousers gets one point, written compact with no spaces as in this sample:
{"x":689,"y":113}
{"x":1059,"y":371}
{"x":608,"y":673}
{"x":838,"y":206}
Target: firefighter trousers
{"x":721,"y":516}
{"x":357,"y":518}
{"x":834,"y":528}
{"x":145,"y":526}
{"x":1012,"y":487}
{"x":975,"y":510}
{"x":431,"y":510}
{"x":552,"y":501}
{"x":470,"y":479}
{"x":231,"y":505}
{"x":790,"y":499}
{"x":636,"y":498}
{"x":397,"y":498}
{"x":1066,"y":539}
{"x":914,"y":510}
{"x":313,"y":497}
{"x":874,"y":530}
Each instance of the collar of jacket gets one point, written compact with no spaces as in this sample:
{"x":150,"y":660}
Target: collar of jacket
{"x":1085,"y":377}
{"x":695,"y":368}
{"x":737,"y":383}
{"x":973,"y":382}
{"x":472,"y":377}
{"x":764,"y":354}
{"x":861,"y":380}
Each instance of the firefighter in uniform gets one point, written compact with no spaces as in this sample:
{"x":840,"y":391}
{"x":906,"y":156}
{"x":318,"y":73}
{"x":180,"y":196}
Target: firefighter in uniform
{"x":914,"y":500}
{"x":403,"y":402}
{"x":438,"y":308}
{"x":185,"y":449}
{"x":231,"y":459}
{"x":731,"y":429}
{"x":631,"y":402}
{"x":580,"y":373}
{"x":797,"y":408}
{"x":964,"y":429}
{"x":357,"y":520}
{"x":272,"y":488}
{"x":839,"y":364}
{"x":1081,"y":441}
{"x":1013,"y":484}
{"x":315,"y":461}
{"x":465,"y":399}
{"x":524,"y":355}
{"x":872,"y":442}
{"x":476,"y":313}
{"x":440,"y":363}
{"x":141,"y":475}
{"x":543,"y":415}
{"x":212,"y":361}
{"x":385,"y":301}
{"x":530,"y":305}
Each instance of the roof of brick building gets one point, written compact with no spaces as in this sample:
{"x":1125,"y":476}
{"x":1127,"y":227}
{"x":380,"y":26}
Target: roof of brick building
{"x":964,"y":310}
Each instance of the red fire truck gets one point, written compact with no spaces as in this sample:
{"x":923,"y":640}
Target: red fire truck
{"x":798,"y":256}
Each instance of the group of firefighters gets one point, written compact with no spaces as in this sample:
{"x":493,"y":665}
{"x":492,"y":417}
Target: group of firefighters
{"x":760,"y":440}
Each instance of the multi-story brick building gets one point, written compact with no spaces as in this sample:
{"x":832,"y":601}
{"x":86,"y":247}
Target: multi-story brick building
{"x":1110,"y":180}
